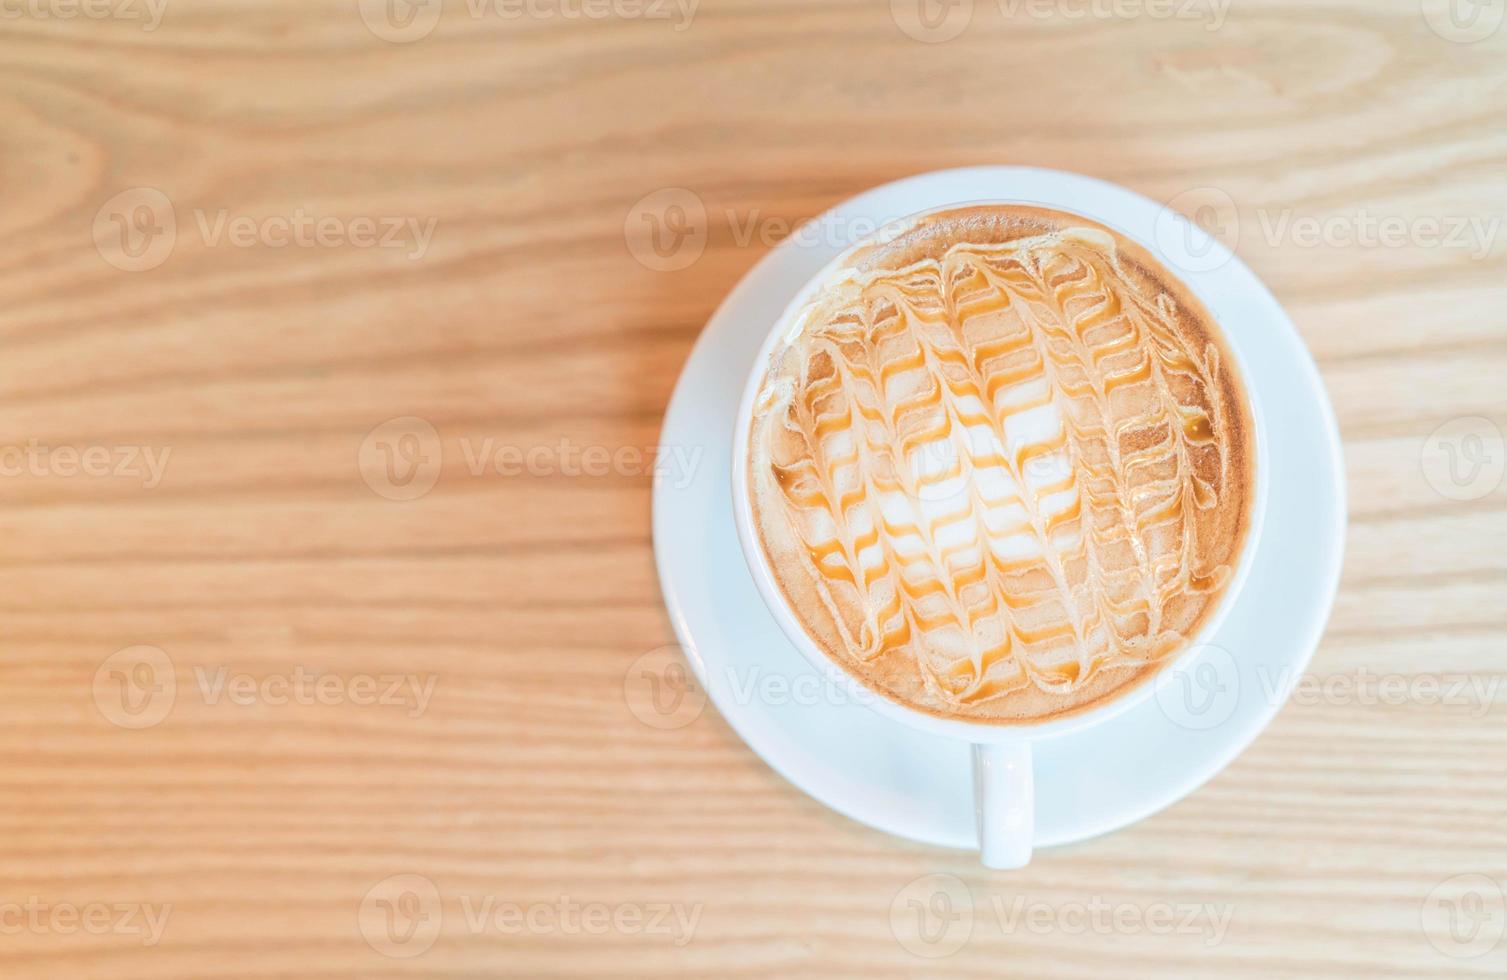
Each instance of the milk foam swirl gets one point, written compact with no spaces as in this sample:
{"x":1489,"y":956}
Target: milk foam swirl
{"x":1000,"y":467}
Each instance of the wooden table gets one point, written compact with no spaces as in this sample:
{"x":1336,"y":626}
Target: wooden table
{"x":242,"y":237}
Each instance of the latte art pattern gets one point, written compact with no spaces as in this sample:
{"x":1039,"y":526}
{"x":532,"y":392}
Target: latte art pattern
{"x":1000,"y":465}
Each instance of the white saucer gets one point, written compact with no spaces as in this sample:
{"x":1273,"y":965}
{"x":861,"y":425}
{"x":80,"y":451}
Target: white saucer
{"x":919,"y":786}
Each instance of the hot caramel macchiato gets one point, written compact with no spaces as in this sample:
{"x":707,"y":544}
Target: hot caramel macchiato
{"x":1002,"y":465}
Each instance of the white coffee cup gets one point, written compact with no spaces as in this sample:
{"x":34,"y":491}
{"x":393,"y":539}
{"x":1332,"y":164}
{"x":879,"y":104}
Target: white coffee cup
{"x":1003,"y":785}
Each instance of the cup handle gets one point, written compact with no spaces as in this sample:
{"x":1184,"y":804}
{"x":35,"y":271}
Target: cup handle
{"x":1004,"y":803}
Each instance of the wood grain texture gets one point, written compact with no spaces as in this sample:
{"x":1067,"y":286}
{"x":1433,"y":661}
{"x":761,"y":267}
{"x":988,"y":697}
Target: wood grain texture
{"x":526,"y":320}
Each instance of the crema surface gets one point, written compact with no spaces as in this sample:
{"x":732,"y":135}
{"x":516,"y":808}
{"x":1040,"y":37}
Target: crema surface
{"x":1002,"y":464}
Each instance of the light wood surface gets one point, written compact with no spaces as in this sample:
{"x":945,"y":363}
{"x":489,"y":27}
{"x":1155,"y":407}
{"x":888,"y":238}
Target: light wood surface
{"x":527,"y":779}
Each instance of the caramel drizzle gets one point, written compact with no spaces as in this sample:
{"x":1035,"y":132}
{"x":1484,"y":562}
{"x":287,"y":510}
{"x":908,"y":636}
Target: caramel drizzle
{"x":975,"y":630}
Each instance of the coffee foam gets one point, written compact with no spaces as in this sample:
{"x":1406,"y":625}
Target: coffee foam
{"x":1001,"y":465}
